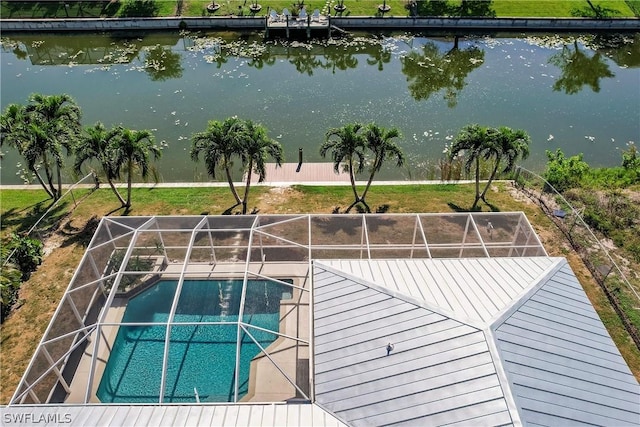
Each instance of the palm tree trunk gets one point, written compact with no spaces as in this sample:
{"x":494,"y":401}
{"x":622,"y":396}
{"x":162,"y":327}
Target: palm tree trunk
{"x":59,"y":181}
{"x":129,"y":178}
{"x":477,"y":199}
{"x":246,"y":188}
{"x":49,"y":175}
{"x":352,"y":178}
{"x":231,"y":186}
{"x":41,"y":181}
{"x":117,"y":193}
{"x":366,"y":189}
{"x":491,"y":178}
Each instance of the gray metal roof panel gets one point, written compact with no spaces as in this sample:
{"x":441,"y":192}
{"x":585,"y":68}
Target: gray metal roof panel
{"x":412,"y":319}
{"x":501,"y":418}
{"x":437,"y":362}
{"x":450,"y":407}
{"x":468,"y":353}
{"x":561,"y":372}
{"x":468,"y":289}
{"x":558,"y":411}
{"x":374,"y":345}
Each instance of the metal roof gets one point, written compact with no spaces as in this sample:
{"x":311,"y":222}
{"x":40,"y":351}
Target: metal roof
{"x":540,"y":355}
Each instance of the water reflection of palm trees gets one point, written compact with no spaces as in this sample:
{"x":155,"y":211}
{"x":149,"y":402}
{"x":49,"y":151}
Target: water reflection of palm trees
{"x":340,"y":59}
{"x":161,"y":63}
{"x":430,"y":71}
{"x":304,"y":61}
{"x":258,"y":62}
{"x":579,"y":69}
{"x":379,"y":57}
{"x":623,"y":49}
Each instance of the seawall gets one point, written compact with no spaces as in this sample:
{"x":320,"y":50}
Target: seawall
{"x":352,"y":22}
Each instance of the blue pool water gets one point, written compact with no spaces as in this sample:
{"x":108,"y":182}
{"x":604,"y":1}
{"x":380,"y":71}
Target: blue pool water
{"x":200,"y":356}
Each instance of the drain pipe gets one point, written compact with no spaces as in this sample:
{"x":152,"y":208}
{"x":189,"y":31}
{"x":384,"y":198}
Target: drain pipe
{"x":195,"y":391}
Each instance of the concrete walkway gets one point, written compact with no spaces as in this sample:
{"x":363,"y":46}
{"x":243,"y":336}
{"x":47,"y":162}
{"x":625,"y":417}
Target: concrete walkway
{"x":241,"y":184}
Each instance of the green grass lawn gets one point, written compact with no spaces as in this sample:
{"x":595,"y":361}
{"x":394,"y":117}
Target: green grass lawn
{"x":502,"y":8}
{"x":556,"y":8}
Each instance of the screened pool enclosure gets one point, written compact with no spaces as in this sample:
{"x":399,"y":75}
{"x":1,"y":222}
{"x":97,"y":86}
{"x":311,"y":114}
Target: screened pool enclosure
{"x":219,"y":308}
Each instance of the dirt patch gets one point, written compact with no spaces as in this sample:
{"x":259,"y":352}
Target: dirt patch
{"x":276,"y":198}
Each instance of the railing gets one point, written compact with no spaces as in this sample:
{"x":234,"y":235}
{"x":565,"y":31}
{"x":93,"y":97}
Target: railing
{"x":89,"y":177}
{"x":622,"y":294}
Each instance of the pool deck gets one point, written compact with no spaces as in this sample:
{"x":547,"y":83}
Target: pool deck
{"x":79,"y":384}
{"x":266,"y":382}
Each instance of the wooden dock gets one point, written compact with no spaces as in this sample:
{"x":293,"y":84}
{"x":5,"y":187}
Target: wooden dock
{"x":305,"y":173}
{"x":288,"y":24}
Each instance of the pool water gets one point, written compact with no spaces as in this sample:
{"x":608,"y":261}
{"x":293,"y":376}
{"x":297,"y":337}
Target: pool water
{"x":200,"y":357}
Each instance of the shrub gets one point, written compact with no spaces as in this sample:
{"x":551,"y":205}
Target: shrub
{"x":564,"y":173}
{"x":28,"y":254}
{"x":10,"y":280}
{"x":138,"y":8}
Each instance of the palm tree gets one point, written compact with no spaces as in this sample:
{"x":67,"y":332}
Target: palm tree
{"x":14,"y":125}
{"x":256,"y":147}
{"x":132,"y":149}
{"x":506,"y":145}
{"x":55,"y":124}
{"x":346,"y":145}
{"x":39,"y":131}
{"x":472,"y":141}
{"x":97,"y":144}
{"x":40,"y":152}
{"x":218,"y":144}
{"x":378,"y":140}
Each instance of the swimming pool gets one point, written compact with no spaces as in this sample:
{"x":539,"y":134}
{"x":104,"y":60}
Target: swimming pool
{"x":201,"y":357}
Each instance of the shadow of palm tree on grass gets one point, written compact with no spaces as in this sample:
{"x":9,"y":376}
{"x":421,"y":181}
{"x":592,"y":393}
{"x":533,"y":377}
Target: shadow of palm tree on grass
{"x":23,"y":222}
{"x":457,"y":208}
{"x":79,"y":235}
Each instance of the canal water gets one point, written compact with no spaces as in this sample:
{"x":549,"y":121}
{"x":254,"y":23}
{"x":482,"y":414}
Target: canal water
{"x":576,"y":92}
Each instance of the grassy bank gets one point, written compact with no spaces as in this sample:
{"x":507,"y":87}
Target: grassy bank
{"x":500,"y":8}
{"x":40,"y":295}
